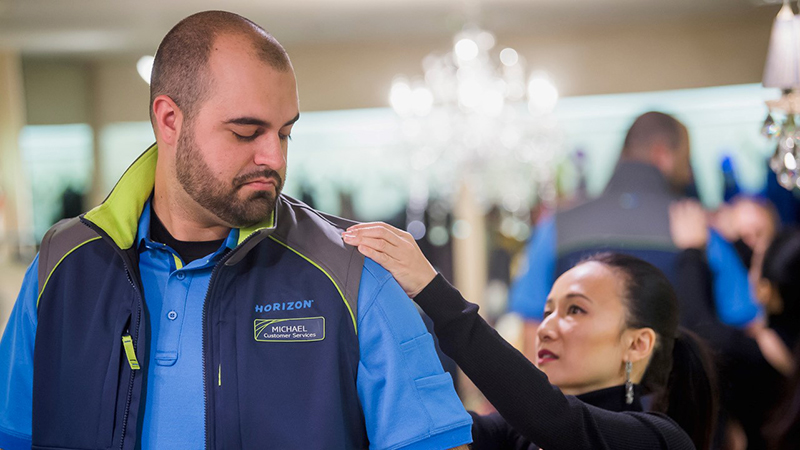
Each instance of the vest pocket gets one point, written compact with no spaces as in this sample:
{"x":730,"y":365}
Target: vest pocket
{"x":113,"y":388}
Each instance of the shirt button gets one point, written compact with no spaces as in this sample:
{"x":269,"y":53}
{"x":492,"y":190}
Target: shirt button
{"x":172,"y":315}
{"x":181,"y":275}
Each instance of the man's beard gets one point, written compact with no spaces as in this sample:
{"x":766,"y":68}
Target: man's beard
{"x":218,"y":197}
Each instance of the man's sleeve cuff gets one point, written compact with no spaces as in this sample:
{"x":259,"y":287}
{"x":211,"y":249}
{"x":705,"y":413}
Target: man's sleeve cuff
{"x":446,"y":440}
{"x":14,"y":441}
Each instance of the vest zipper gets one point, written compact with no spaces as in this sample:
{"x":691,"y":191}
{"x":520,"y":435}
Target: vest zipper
{"x":206,"y":384}
{"x":134,"y":327}
{"x":206,"y":329}
{"x":135,"y":336}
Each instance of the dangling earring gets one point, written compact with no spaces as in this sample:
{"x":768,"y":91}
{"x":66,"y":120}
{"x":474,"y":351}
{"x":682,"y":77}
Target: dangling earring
{"x":628,"y":383}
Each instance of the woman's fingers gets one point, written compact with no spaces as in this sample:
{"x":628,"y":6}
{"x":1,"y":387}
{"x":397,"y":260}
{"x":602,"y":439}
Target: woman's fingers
{"x":375,"y":230}
{"x":396,"y":251}
{"x":377,"y":245}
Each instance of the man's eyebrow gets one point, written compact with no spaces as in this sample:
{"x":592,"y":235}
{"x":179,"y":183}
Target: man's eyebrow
{"x":248,"y":121}
{"x":258,"y":122}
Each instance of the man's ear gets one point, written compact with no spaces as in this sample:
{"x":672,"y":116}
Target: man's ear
{"x":642,"y":343}
{"x":168,"y":120}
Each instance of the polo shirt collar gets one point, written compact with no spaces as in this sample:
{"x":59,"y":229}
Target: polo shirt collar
{"x":143,"y":231}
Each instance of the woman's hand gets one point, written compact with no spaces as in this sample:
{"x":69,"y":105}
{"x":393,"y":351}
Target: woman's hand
{"x":772,"y":347}
{"x":688,"y":224}
{"x":396,"y":251}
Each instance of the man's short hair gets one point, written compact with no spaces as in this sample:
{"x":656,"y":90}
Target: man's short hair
{"x":181,"y":69}
{"x":650,"y":128}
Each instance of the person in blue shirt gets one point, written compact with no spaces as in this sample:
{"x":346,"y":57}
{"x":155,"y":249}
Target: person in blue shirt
{"x":199,"y":307}
{"x":631,"y":216}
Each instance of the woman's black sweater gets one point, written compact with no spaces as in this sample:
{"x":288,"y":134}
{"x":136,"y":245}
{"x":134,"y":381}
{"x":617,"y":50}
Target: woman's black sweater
{"x":535,"y":412}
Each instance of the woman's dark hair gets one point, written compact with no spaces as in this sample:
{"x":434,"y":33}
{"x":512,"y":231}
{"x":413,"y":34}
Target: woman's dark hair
{"x":780,"y":266}
{"x":783,"y":428}
{"x":680,"y":374}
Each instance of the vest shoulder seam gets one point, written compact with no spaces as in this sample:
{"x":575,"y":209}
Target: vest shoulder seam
{"x":60,"y":241}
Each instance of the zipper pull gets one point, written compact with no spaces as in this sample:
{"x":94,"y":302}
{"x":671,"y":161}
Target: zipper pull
{"x":130,"y":352}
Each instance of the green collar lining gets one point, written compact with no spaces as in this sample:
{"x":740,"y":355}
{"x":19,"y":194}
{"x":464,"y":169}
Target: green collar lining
{"x":244,"y":233}
{"x":119,"y":214}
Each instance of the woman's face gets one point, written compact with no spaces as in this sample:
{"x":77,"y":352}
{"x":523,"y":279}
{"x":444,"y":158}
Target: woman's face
{"x":580,"y":343}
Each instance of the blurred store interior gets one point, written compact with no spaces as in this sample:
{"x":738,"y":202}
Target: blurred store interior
{"x":383,"y":135}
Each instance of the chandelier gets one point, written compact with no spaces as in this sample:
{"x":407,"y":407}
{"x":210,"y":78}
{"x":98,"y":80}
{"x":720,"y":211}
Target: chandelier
{"x":782,"y":70}
{"x":475,"y":119}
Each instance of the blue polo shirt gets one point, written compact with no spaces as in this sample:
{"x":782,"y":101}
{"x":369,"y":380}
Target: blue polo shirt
{"x":407,"y":399}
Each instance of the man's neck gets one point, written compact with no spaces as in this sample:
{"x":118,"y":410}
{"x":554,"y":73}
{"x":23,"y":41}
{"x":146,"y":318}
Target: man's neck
{"x":181,"y":223}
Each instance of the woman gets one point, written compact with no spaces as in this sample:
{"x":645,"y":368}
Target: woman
{"x":610,"y":333}
{"x":779,"y":291}
{"x":752,"y":363}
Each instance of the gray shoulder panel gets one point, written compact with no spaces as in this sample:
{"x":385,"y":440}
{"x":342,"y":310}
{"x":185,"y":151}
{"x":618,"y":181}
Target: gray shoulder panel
{"x":317,"y":236}
{"x":641,"y":220}
{"x":60,"y":239}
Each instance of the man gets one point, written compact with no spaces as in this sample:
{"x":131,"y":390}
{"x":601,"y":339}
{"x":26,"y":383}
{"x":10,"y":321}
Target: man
{"x":631,"y":216}
{"x":199,"y":307}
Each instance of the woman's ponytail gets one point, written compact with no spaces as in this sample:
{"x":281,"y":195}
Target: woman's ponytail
{"x":690,"y":396}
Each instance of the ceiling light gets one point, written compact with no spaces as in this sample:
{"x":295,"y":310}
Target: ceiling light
{"x":145,"y":67}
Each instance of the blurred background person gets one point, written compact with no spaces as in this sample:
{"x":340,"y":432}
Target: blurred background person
{"x":779,"y":291}
{"x":754,"y":363}
{"x":631,"y":216}
{"x":749,"y":223}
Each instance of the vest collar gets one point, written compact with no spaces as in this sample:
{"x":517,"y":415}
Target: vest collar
{"x":118,"y":215}
{"x":634,"y":176}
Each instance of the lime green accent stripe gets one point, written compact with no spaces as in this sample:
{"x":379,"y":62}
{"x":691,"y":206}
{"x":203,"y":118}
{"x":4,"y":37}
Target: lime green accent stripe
{"x":355,"y":327}
{"x":244,"y":233}
{"x":127,"y":342}
{"x":178,"y":262}
{"x":41,"y":291}
{"x":119,"y":214}
{"x":219,"y":376}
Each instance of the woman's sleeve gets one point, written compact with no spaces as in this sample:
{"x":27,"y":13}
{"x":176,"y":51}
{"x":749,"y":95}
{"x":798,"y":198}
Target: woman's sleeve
{"x":522,"y":394}
{"x":492,"y":432}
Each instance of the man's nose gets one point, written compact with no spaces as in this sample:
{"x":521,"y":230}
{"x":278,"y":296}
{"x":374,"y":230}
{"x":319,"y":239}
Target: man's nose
{"x":270,"y":152}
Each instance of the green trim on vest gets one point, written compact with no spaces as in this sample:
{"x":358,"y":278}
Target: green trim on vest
{"x":346,"y":303}
{"x":41,"y":291}
{"x":244,"y":233}
{"x":119,"y":214}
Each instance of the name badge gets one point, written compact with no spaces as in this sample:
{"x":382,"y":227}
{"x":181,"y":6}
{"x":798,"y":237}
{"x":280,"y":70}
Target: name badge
{"x":305,"y":329}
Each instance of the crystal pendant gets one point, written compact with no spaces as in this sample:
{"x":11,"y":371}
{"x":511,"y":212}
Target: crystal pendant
{"x":784,"y":162}
{"x":770,"y":129}
{"x":786,"y":180}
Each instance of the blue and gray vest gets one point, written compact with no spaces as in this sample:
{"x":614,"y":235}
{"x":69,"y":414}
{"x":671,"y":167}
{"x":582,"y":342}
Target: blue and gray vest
{"x":631,"y":216}
{"x":262,"y":388}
